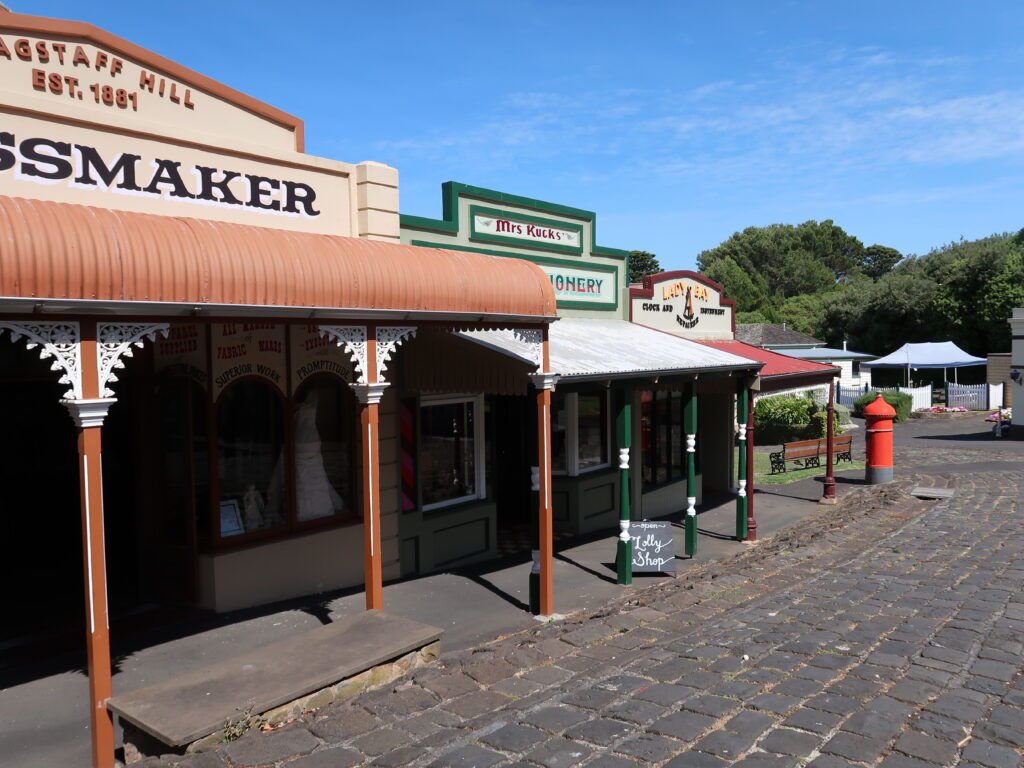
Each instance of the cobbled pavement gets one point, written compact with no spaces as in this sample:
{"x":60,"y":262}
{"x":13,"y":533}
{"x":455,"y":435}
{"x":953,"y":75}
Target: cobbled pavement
{"x":885,"y":631}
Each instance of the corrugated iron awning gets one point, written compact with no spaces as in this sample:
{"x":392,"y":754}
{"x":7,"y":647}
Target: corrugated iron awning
{"x":80,"y":258}
{"x":582,"y":349}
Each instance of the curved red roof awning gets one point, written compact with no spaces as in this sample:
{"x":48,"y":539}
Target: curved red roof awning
{"x":79,"y":257}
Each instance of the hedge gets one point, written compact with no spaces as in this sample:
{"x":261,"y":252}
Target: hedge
{"x":901,"y":401}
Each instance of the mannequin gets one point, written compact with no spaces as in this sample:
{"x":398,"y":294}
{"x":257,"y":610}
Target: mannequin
{"x":314,"y":493}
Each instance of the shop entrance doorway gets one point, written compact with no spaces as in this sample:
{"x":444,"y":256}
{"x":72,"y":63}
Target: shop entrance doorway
{"x":148,"y":565}
{"x":513,"y":422}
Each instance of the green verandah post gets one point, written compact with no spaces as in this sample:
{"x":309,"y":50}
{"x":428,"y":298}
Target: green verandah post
{"x":624,"y":431}
{"x":690,"y":426}
{"x":741,"y":474}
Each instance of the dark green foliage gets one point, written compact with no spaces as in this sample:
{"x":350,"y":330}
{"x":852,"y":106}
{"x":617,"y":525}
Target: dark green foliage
{"x":823,"y":282}
{"x":784,"y":409}
{"x":641,"y":264}
{"x":819,"y":425}
{"x":901,"y":401}
{"x":842,"y":414}
{"x":878,"y":260}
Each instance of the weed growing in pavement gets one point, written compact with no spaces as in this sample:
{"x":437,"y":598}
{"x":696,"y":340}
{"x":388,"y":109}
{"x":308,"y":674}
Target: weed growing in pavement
{"x":235,"y":729}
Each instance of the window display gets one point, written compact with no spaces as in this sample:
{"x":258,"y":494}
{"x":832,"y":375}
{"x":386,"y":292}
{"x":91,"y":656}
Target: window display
{"x":579,"y":432}
{"x":322,"y":461}
{"x":592,"y":418}
{"x":450,"y":451}
{"x":250,"y":446}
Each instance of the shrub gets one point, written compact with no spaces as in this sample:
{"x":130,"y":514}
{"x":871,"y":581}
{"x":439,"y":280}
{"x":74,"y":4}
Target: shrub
{"x":784,"y":409}
{"x":819,"y":426}
{"x":901,"y":401}
{"x":842,"y":414}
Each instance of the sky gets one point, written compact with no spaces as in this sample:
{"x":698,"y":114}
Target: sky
{"x":678,"y":123}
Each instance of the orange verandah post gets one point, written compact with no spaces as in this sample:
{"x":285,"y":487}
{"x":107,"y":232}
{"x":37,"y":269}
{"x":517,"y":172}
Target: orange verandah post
{"x":544,"y":382}
{"x":88,"y":414}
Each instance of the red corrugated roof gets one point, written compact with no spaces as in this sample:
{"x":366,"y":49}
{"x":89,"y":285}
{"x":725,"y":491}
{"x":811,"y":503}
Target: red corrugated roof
{"x":776,"y":364}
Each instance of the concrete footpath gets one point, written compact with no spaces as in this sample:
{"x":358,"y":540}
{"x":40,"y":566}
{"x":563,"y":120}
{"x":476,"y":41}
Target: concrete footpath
{"x":41,"y":708}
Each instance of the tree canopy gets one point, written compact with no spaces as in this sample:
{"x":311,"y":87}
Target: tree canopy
{"x":642,"y":263}
{"x":824,"y":282}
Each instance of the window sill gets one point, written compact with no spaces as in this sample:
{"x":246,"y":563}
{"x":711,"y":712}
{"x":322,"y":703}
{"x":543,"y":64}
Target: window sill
{"x":274,"y":535}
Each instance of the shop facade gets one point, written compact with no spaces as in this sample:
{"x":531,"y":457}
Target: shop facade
{"x":620,"y":445}
{"x":224,"y":317}
{"x":692,"y":306}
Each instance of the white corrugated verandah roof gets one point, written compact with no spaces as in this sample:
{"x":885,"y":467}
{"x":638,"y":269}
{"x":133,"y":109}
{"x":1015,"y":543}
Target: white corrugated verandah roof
{"x":582,"y":349}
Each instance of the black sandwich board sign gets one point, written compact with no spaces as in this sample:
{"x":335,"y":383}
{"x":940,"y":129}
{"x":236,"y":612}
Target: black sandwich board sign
{"x":653,"y":546}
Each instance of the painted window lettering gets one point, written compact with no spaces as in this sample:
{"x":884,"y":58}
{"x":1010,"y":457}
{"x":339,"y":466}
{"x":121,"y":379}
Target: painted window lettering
{"x":47,"y":161}
{"x":571,"y":284}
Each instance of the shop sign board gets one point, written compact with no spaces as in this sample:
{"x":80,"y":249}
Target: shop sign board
{"x":683,"y":304}
{"x":654,"y":548}
{"x":247,"y":349}
{"x":499,"y":226}
{"x":578,"y":284}
{"x":313,"y":353}
{"x":85,"y":122}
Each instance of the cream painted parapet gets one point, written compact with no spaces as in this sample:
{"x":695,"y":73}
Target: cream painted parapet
{"x":377,"y":201}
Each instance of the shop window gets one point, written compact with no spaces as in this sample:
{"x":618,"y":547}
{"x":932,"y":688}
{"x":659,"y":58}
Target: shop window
{"x":451,"y":450}
{"x":559,"y":434}
{"x":323,"y":465}
{"x":250,"y":453}
{"x":662,"y":440}
{"x":579,"y":432}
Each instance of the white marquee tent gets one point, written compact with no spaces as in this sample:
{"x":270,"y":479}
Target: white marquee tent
{"x":938,"y":354}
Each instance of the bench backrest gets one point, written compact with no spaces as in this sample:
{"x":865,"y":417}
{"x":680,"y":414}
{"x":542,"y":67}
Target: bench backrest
{"x":800,"y":449}
{"x":840,"y":443}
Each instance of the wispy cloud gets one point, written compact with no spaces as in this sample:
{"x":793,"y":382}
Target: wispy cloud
{"x":857,"y":108}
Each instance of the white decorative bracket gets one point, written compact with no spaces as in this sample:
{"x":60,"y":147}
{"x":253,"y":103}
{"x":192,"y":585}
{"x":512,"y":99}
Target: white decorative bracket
{"x":370,"y":394}
{"x":544,"y":380}
{"x":59,"y":340}
{"x":534,"y":340}
{"x":743,"y":489}
{"x":353,"y":339}
{"x":691,"y":443}
{"x":89,"y":413}
{"x":115,"y":341}
{"x":691,"y":506}
{"x":623,"y":458}
{"x":389,"y":337}
{"x":743,"y":431}
{"x":623,"y":530}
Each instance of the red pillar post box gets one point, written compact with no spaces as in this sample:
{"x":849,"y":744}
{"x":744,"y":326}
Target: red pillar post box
{"x":878,"y":418}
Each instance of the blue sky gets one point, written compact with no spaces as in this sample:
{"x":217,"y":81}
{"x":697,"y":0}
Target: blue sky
{"x":679,"y":123}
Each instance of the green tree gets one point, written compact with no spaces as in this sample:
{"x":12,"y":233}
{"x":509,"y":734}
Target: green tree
{"x":803,"y":313}
{"x":641,"y":264}
{"x":773,"y":263}
{"x":878,"y":260}
{"x":747,"y":289}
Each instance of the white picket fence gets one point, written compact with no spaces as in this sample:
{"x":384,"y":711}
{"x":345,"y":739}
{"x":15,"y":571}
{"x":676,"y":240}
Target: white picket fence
{"x":973,"y":397}
{"x":846,"y":395}
{"x":920,"y":397}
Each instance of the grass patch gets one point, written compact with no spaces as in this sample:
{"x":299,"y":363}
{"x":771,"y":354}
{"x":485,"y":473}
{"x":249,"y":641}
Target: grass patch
{"x":763,"y":470}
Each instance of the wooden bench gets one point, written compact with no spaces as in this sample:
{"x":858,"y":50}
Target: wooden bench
{"x":808,"y":453}
{"x":284,"y":679}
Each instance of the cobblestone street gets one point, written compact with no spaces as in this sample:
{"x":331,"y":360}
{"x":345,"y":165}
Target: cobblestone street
{"x":883,"y":631}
